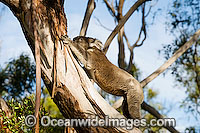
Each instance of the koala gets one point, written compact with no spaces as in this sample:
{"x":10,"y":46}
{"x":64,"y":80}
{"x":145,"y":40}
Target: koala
{"x":107,"y":76}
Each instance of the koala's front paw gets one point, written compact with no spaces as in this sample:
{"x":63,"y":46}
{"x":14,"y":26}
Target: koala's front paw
{"x":65,"y":39}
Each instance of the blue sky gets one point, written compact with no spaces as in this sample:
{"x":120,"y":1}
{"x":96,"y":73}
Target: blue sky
{"x":146,"y":57}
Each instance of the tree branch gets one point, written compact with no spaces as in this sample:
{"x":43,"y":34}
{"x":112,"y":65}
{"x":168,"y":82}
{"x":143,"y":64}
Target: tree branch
{"x":171,"y":60}
{"x":131,"y":48}
{"x":90,"y":8}
{"x":121,"y":24}
{"x":102,"y":24}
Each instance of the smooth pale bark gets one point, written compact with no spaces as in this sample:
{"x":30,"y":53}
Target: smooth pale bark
{"x":69,"y":94}
{"x":88,"y":13}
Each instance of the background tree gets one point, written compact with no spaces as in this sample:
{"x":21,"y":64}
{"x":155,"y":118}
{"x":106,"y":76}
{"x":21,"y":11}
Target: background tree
{"x":184,"y":21}
{"x":18,"y":77}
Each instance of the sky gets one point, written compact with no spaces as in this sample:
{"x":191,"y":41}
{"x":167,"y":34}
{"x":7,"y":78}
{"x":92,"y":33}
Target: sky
{"x":13,"y":42}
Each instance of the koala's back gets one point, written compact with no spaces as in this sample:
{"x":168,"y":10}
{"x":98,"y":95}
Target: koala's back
{"x":109,"y":77}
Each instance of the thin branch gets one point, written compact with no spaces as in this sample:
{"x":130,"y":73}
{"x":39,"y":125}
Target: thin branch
{"x":131,"y":48}
{"x":120,"y":8}
{"x":152,"y":5}
{"x":127,"y":41}
{"x":142,"y":30}
{"x":149,"y":11}
{"x":130,"y":64}
{"x":90,"y":8}
{"x":171,"y":60}
{"x":121,"y":23}
{"x":102,"y":24}
{"x":110,"y":8}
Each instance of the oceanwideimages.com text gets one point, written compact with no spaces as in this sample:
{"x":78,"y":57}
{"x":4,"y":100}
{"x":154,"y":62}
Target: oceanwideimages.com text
{"x":98,"y":122}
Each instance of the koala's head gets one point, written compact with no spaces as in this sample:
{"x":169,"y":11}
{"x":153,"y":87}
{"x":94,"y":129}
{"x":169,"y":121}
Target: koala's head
{"x":81,"y":43}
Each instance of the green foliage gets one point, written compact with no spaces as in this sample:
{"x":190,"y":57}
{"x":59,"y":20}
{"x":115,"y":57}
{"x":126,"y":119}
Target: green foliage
{"x":18,"y":76}
{"x":184,"y":14}
{"x":135,"y":71}
{"x":19,"y":110}
{"x":151,"y":94}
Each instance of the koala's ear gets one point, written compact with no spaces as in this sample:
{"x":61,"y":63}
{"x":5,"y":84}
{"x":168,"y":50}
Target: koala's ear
{"x":90,"y":40}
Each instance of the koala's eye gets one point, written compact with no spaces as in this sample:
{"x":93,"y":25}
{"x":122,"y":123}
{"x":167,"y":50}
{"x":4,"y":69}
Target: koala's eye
{"x":80,"y":39}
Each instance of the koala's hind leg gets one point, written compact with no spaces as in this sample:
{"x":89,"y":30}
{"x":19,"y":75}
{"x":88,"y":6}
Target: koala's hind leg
{"x":134,"y":103}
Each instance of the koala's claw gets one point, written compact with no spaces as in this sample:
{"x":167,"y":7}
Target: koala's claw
{"x":65,"y":39}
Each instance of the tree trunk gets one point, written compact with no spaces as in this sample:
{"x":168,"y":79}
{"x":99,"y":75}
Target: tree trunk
{"x":69,"y":93}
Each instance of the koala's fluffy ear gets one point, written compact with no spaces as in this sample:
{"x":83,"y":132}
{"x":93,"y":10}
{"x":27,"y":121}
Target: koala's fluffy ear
{"x":97,"y":44}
